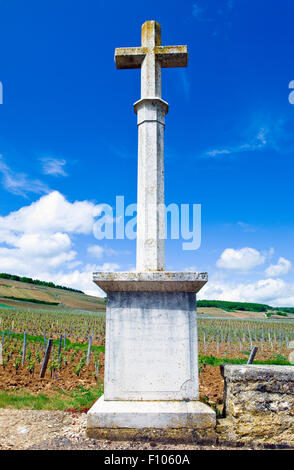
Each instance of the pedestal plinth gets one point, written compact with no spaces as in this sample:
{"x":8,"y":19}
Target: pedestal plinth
{"x":151,"y":356}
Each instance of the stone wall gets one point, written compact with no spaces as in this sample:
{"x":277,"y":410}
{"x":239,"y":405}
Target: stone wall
{"x":258,"y":405}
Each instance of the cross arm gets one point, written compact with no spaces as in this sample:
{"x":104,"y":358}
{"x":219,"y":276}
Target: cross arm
{"x":129,"y":57}
{"x":172,"y":56}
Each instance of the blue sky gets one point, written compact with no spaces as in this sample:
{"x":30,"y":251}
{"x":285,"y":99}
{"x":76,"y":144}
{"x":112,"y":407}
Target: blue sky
{"x":68,"y":139}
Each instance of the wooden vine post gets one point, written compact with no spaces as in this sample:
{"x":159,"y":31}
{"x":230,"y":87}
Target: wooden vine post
{"x":46,"y":358}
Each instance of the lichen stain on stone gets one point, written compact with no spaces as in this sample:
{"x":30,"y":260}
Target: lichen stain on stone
{"x":259,"y":405}
{"x":150,"y":29}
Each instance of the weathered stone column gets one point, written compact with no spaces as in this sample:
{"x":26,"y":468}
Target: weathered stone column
{"x":150,"y":205}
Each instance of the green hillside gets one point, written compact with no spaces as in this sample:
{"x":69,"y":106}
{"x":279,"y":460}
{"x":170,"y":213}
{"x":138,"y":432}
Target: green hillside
{"x":28,"y":293}
{"x":29,"y":280}
{"x":227,"y":306}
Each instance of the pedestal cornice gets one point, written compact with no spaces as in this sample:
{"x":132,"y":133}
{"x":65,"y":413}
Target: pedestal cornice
{"x":155,"y":281}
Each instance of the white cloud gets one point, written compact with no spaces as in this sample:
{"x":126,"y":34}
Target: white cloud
{"x":83,"y":279}
{"x":190,"y":269}
{"x":50,"y":214}
{"x":35,"y":241}
{"x":256,"y":143}
{"x":265,"y":132}
{"x":243,"y":259}
{"x":53,"y":166}
{"x":79,"y":279}
{"x":107,"y":267}
{"x":19,"y":183}
{"x":246,"y":227}
{"x":273,"y":292}
{"x":271,"y":252}
{"x":111,"y":252}
{"x":281,"y":268}
{"x":35,"y":244}
{"x":34,"y":254}
{"x":96,"y":250}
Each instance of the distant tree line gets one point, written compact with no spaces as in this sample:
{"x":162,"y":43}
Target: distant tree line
{"x":37,"y":282}
{"x":25,"y":299}
{"x":287,"y":309}
{"x":231,"y":306}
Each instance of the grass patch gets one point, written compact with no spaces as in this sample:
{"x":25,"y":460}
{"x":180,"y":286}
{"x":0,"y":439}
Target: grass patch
{"x":68,"y":344}
{"x":277,"y":360}
{"x":78,"y":399}
{"x":281,"y":314}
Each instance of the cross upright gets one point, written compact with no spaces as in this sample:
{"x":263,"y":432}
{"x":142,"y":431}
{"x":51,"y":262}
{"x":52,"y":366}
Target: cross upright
{"x":150,"y":110}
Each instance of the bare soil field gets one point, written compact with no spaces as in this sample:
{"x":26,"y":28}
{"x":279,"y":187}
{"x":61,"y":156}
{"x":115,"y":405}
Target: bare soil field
{"x":218,"y":312}
{"x":211,"y":381}
{"x":65,"y":379}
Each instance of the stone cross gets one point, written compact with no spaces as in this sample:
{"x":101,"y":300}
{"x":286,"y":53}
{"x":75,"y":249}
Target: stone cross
{"x":150,"y":110}
{"x":151,"y":385}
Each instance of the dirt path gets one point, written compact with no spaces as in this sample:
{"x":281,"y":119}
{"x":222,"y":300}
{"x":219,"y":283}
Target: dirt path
{"x":23,"y":429}
{"x":53,"y":430}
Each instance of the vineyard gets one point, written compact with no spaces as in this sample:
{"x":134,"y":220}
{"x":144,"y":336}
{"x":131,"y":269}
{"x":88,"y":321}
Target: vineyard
{"x":74,"y":361}
{"x":235,"y":338}
{"x":45,"y":350}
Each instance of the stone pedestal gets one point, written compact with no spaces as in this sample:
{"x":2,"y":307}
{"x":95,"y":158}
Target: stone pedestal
{"x":151,"y":357}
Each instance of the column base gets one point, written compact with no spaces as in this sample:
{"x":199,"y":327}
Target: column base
{"x":163,"y":421}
